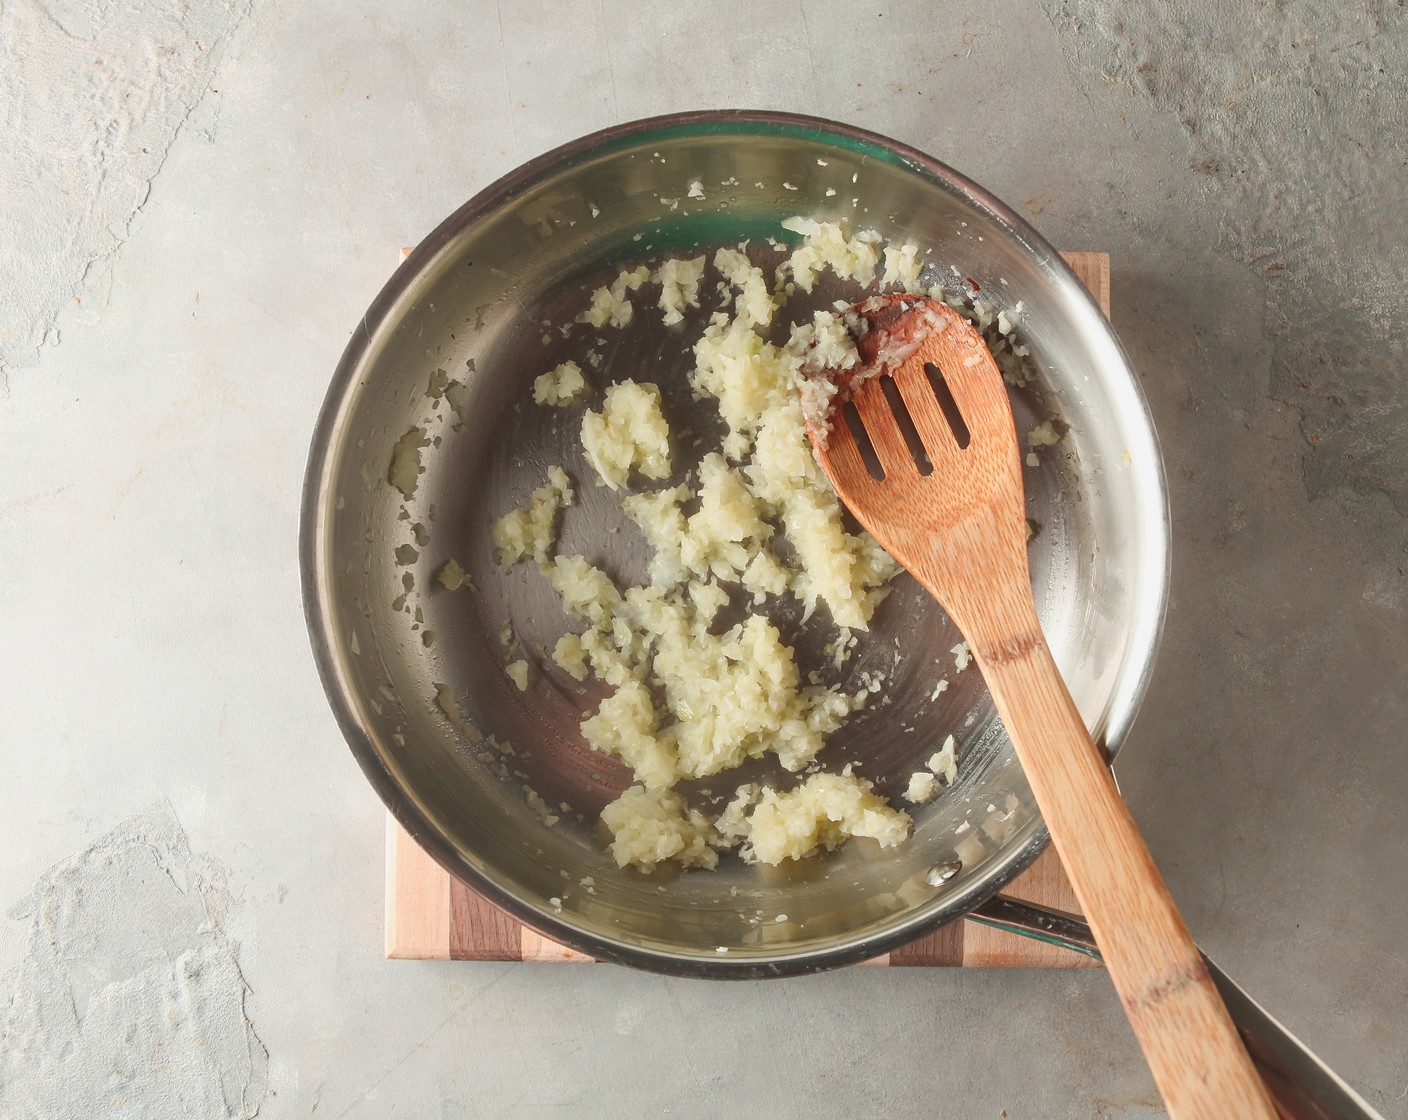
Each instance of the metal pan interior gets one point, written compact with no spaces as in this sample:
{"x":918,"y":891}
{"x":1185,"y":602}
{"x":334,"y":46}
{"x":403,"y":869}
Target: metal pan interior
{"x":416,"y":672}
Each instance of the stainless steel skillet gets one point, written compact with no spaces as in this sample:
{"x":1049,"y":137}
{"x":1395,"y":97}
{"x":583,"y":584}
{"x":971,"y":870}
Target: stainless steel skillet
{"x":439,"y":371}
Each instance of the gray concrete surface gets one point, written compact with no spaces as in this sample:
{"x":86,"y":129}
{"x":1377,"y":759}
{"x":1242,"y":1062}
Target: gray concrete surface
{"x":195,"y":205}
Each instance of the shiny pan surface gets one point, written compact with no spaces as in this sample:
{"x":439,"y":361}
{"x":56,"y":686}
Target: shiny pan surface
{"x":415,"y":671}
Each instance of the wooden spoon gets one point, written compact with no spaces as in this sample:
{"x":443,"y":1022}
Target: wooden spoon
{"x":961,"y":530}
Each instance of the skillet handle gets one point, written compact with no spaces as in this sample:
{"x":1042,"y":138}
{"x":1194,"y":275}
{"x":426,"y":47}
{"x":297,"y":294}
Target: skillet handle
{"x":1302,"y":1087}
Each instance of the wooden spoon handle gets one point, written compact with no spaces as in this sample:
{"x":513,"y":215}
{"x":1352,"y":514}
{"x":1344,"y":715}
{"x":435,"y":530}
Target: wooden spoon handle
{"x":1198,"y":1061}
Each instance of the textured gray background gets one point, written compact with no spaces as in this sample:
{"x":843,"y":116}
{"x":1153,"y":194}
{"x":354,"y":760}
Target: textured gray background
{"x":195,"y":206}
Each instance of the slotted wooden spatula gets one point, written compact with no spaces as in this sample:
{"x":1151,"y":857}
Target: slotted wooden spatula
{"x":952,"y":512}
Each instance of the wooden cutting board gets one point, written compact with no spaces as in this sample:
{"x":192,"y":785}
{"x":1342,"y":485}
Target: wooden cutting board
{"x":430,"y":915}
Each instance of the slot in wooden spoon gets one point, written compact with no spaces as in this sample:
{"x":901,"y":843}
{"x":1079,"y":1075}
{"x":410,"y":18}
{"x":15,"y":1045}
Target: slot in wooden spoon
{"x":960,"y":529}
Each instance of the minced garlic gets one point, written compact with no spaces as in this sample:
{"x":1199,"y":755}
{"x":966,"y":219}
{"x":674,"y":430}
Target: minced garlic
{"x":651,"y":827}
{"x":561,"y":386}
{"x":686,"y":701}
{"x":628,"y":434}
{"x":825,"y":245}
{"x":902,"y":266}
{"x":944,"y":763}
{"x":1046,"y":434}
{"x":679,"y":287}
{"x":923,"y":786}
{"x":531,"y":531}
{"x":610,"y":307}
{"x":822,"y":812}
{"x":517,"y":672}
